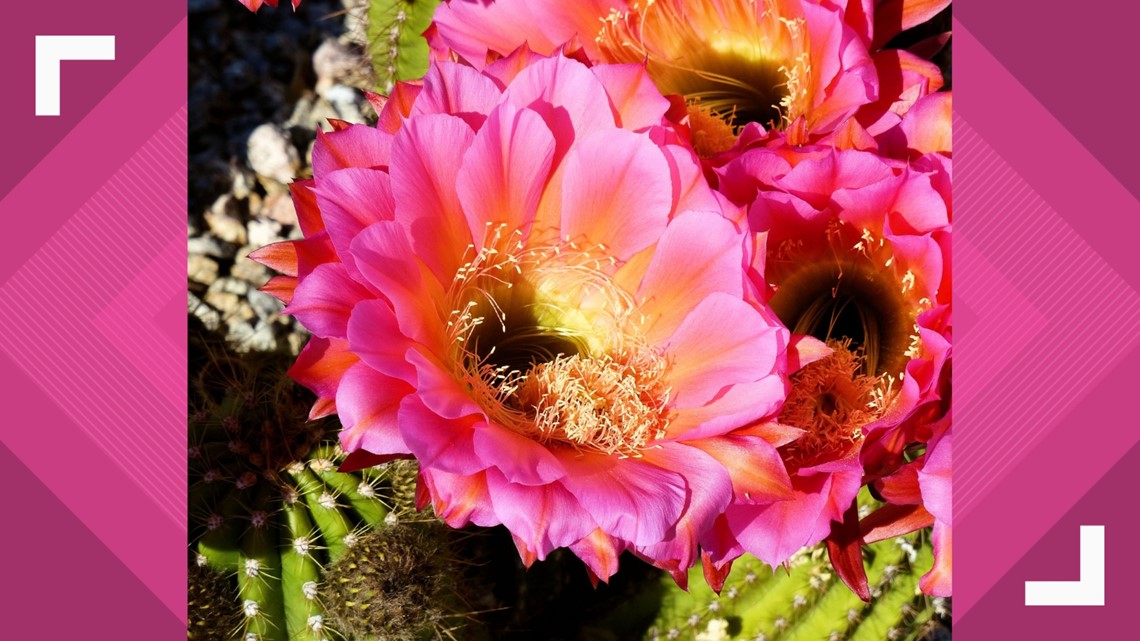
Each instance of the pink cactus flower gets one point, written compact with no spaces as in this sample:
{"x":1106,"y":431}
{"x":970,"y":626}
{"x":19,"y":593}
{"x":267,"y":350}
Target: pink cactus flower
{"x":800,"y":70}
{"x":858,"y":256}
{"x":521,"y":279}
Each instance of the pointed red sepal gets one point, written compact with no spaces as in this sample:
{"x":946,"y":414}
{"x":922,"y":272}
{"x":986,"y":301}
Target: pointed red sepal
{"x":339,"y":125}
{"x":893,"y":520}
{"x":593,"y":577}
{"x":714,"y":576}
{"x":361,"y":459}
{"x":423,"y":494}
{"x":845,"y":549}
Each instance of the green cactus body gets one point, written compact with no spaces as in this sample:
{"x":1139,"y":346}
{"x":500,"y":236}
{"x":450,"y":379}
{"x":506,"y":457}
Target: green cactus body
{"x":803,"y":601}
{"x":396,"y":44}
{"x":268,"y":508}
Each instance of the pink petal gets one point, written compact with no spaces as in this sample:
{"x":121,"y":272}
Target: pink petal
{"x":358,"y":146}
{"x":934,"y":478}
{"x":426,"y":157}
{"x":439,"y":390}
{"x":437,"y":442}
{"x":374,"y":335}
{"x":519,"y":459}
{"x":459,"y":90}
{"x":505,"y":170}
{"x":305,"y":202}
{"x":629,"y":499}
{"x":324,"y":300}
{"x":600,"y":552}
{"x":616,"y":193}
{"x":568,"y":97}
{"x":737,"y":405}
{"x":939,"y":580}
{"x":321,"y":365}
{"x":723,"y":341}
{"x":459,"y":499}
{"x":710,"y":491}
{"x":636,"y":102}
{"x":698,"y":254}
{"x":387,"y":260}
{"x":473,"y":29}
{"x":542,"y":517}
{"x":368,"y":403}
{"x":754,"y":465}
{"x":804,"y":350}
{"x":280,"y":257}
{"x":350,"y":200}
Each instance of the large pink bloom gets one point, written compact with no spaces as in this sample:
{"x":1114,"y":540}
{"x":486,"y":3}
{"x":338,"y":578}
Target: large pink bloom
{"x":521,"y":279}
{"x":796,"y":69}
{"x":858,"y":254}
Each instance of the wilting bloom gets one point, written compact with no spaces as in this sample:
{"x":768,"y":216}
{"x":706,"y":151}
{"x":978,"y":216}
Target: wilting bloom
{"x":858,"y":256}
{"x":523,"y":281}
{"x":254,"y":5}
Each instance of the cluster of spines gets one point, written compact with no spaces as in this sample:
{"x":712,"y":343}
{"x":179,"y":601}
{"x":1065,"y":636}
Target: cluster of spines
{"x":803,"y":601}
{"x":277,"y":535}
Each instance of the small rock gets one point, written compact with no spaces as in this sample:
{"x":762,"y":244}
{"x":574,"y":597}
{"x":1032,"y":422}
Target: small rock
{"x":243,"y":181}
{"x":210,"y":318}
{"x":264,"y":305}
{"x":230,"y":285}
{"x":333,"y":62}
{"x":280,"y":207}
{"x":263,"y":231}
{"x":209,"y":246}
{"x":224,"y":219}
{"x":347,"y":102}
{"x":201,"y":269}
{"x":245,"y":337}
{"x":272,"y":155}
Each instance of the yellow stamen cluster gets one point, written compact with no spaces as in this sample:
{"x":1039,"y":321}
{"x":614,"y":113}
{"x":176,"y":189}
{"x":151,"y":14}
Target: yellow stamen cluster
{"x":561,"y":360}
{"x":612,"y":404}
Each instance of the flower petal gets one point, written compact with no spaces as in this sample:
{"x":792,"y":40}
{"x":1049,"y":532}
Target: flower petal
{"x":504,"y":171}
{"x":368,"y":403}
{"x":698,"y":254}
{"x":541,"y":517}
{"x":629,"y":499}
{"x":426,"y":156}
{"x":321,"y":365}
{"x":519,"y":459}
{"x":616,"y":192}
{"x":437,"y":442}
{"x":324,"y":299}
{"x":723,"y":341}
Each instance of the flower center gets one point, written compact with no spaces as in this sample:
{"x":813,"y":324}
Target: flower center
{"x":737,"y":59}
{"x":830,"y":400}
{"x":611,"y":404}
{"x":544,"y":341}
{"x":711,"y":134}
{"x":851,"y":291}
{"x":851,"y":294}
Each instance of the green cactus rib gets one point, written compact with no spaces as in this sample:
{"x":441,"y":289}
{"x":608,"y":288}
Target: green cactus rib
{"x":803,"y":601}
{"x":396,"y":45}
{"x":268,"y":509}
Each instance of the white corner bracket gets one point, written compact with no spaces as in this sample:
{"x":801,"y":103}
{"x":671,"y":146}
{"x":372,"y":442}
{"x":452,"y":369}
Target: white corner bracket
{"x":1089,"y":590}
{"x":51,"y":50}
